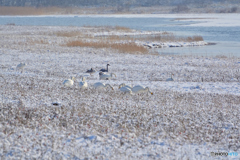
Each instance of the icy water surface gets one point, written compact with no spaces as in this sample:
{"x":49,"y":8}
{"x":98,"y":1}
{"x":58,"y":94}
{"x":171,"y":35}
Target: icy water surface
{"x":226,"y":38}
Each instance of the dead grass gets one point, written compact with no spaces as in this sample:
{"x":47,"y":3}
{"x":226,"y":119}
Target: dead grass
{"x":33,"y":42}
{"x":69,"y":34}
{"x":28,"y":10}
{"x":121,"y":28}
{"x":194,"y":39}
{"x":164,"y":37}
{"x":122,"y":47}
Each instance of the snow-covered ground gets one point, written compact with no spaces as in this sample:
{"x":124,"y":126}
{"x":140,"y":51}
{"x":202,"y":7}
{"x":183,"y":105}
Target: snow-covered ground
{"x":188,"y":118}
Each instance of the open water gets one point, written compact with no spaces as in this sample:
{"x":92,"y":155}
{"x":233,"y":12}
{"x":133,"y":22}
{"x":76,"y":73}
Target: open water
{"x":227,"y":39}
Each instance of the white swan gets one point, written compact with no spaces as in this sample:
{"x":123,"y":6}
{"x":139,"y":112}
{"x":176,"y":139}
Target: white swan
{"x":83,"y":84}
{"x":100,"y":85}
{"x":124,"y":85}
{"x":126,"y":90}
{"x":105,"y":76}
{"x":170,"y":79}
{"x":21,"y":66}
{"x":69,"y":82}
{"x":140,"y":89}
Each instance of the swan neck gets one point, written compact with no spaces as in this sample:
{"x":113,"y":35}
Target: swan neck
{"x":108,"y":85}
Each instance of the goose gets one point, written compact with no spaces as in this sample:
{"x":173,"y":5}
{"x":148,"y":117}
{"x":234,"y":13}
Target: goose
{"x":21,"y":66}
{"x":140,"y":89}
{"x":91,"y":71}
{"x":83,"y":84}
{"x":170,"y":79}
{"x":126,"y":90}
{"x":105,"y":70}
{"x":124,"y":85}
{"x":100,"y":85}
{"x":69,"y":82}
{"x":104,"y":76}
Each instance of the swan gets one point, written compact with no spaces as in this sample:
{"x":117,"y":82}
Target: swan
{"x":21,"y":66}
{"x":140,"y":89}
{"x":91,"y":71}
{"x":126,"y":90}
{"x":100,"y":85}
{"x":83,"y":84}
{"x":124,"y":85}
{"x":69,"y":82}
{"x":105,"y":70}
{"x":170,"y":79}
{"x":105,"y":76}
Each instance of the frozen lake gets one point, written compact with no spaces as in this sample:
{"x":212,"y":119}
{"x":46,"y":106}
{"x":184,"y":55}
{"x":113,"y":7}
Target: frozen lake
{"x":223,"y":32}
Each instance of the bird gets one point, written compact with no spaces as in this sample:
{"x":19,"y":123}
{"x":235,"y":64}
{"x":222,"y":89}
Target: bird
{"x":69,"y":82}
{"x":105,"y":70}
{"x":124,"y":85}
{"x":21,"y":66}
{"x":126,"y":90}
{"x":105,"y":76}
{"x":56,"y":103}
{"x":91,"y":71}
{"x":100,"y":85}
{"x":83,"y":84}
{"x":140,"y":89}
{"x":170,"y":79}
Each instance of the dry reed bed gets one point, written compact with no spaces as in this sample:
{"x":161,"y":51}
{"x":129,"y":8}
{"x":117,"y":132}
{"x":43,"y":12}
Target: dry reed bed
{"x":182,"y":118}
{"x":167,"y":116}
{"x":91,"y":124}
{"x":121,"y":47}
{"x":94,"y":37}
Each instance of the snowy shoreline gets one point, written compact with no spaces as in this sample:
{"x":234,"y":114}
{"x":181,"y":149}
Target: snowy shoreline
{"x":174,"y":44}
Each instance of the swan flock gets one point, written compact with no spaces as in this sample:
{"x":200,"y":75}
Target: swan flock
{"x":104,"y":75}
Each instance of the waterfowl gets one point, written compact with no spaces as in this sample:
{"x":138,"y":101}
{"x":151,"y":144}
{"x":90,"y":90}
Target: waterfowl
{"x":21,"y":66}
{"x":170,"y":79}
{"x":124,"y":85}
{"x":56,"y":103}
{"x":126,"y":90}
{"x":69,"y":82}
{"x":105,"y":70}
{"x":140,"y":89}
{"x":91,"y":71}
{"x":100,"y":85}
{"x":83,"y":84}
{"x":104,"y":76}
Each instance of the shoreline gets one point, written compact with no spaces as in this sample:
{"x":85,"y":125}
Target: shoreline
{"x":97,"y":37}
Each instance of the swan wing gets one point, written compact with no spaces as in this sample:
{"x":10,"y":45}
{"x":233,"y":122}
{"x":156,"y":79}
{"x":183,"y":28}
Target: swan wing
{"x":98,"y":85}
{"x":83,"y":84}
{"x":138,"y":89}
{"x":68,"y":82}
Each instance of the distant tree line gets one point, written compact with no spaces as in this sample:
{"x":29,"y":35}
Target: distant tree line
{"x":107,"y":3}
